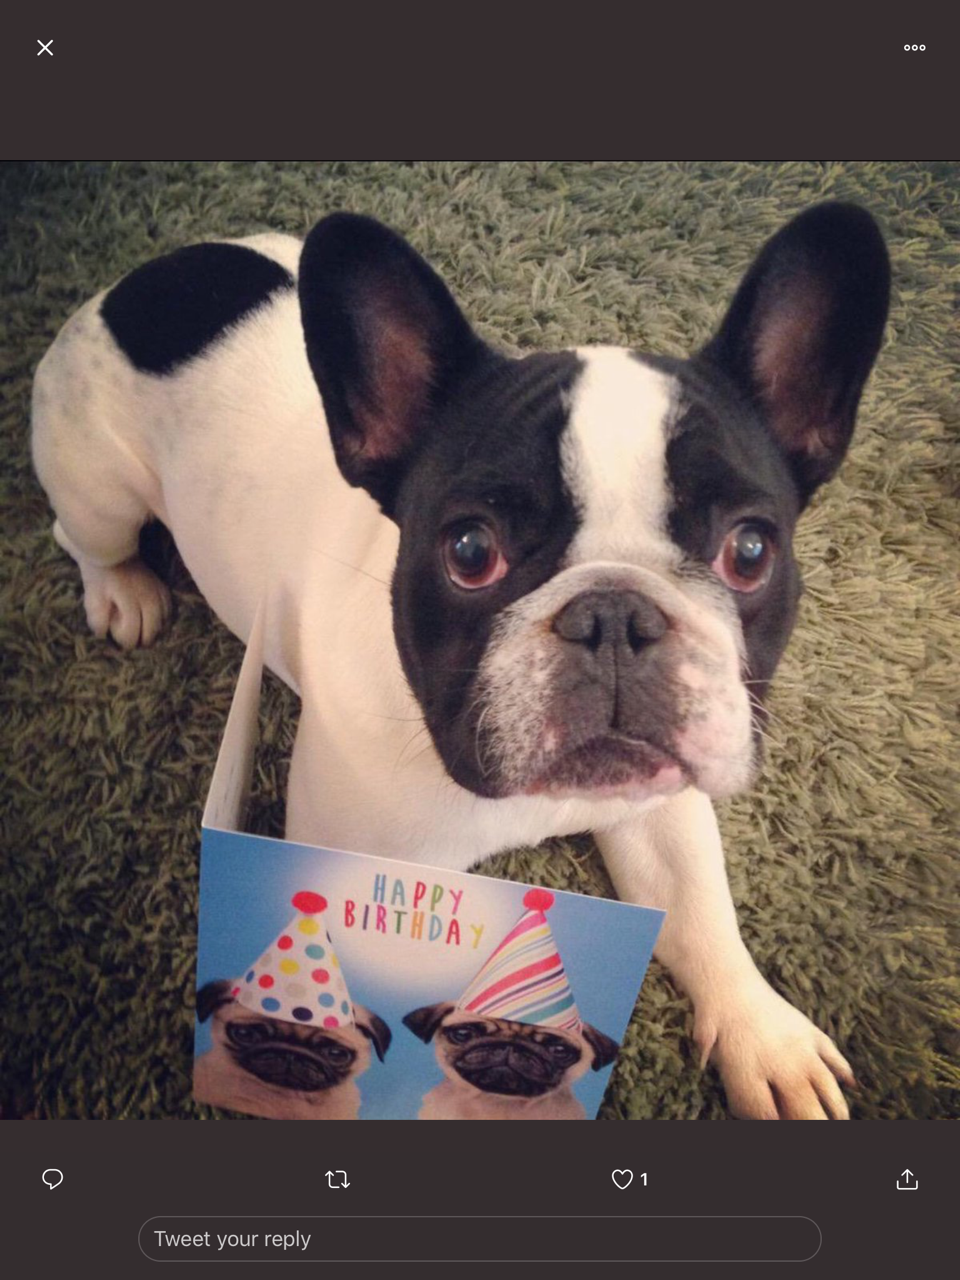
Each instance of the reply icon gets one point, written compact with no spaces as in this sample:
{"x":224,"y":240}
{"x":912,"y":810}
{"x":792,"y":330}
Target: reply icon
{"x":52,"y":1177}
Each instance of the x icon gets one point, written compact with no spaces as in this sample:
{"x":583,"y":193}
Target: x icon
{"x":44,"y":48}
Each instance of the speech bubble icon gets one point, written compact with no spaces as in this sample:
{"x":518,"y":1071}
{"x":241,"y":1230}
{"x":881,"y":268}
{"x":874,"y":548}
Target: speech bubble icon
{"x":52,"y":1177}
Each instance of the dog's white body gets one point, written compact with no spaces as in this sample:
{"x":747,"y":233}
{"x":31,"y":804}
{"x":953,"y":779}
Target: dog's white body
{"x":273,"y":518}
{"x":230,"y":453}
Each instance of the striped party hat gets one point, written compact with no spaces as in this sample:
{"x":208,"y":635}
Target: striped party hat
{"x":298,"y":978}
{"x":524,"y":979}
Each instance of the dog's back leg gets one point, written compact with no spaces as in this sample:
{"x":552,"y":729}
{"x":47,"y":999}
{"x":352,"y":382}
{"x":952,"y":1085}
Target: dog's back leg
{"x":126,"y":599}
{"x":99,"y":486}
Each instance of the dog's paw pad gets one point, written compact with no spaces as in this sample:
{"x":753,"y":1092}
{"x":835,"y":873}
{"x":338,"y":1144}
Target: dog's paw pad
{"x":127,"y":601}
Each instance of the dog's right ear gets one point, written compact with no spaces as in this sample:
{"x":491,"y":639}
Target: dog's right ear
{"x":803,"y":330}
{"x":374,"y":1028}
{"x":211,"y":997}
{"x":424,"y":1022}
{"x":604,"y":1049}
{"x":385,"y":340}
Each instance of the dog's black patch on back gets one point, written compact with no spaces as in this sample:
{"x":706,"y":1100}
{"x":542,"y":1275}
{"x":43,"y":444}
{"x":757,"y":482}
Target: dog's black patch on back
{"x":170,"y":310}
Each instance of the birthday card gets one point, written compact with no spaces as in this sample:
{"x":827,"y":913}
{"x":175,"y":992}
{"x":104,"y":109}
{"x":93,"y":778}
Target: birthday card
{"x":339,"y":986}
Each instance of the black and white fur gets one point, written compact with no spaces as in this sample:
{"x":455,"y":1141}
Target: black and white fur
{"x":609,"y":680}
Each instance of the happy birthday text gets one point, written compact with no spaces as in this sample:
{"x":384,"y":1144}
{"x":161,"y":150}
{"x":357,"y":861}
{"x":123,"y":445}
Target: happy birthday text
{"x":422,"y":912}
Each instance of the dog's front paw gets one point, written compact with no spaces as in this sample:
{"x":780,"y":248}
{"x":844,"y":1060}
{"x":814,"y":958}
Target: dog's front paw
{"x":774,"y":1063}
{"x":127,"y":600}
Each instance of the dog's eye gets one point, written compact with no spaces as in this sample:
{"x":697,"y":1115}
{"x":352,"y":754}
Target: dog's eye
{"x":563,"y":1052}
{"x":459,"y":1035}
{"x":472,"y":556}
{"x":337,"y":1054}
{"x":745,"y":561}
{"x":246,"y":1033}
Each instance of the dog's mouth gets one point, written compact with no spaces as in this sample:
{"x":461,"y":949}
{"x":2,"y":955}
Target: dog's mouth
{"x":612,"y":764}
{"x":513,"y":1070}
{"x":289,"y":1069}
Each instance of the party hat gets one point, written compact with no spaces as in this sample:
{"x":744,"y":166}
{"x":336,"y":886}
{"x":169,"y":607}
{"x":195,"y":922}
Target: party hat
{"x":298,"y":979}
{"x":524,"y":979}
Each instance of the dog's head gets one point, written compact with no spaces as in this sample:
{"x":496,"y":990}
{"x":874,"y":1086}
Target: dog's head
{"x":287,"y":1055}
{"x":595,"y":579}
{"x":513,"y":1059}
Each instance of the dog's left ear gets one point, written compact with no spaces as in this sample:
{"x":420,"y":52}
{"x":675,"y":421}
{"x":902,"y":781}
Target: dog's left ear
{"x":374,"y":1028}
{"x":424,"y":1022}
{"x":386,"y":343}
{"x":604,"y":1049}
{"x":211,"y":997}
{"x":803,"y":331}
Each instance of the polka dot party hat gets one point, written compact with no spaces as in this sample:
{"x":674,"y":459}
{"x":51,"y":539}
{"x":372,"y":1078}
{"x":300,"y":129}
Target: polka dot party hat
{"x":298,"y":979}
{"x":524,"y":979}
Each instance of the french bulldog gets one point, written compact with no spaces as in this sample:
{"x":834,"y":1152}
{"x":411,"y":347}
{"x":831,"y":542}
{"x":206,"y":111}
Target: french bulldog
{"x":518,"y":597}
{"x":501,"y":1070}
{"x":277,"y":1069}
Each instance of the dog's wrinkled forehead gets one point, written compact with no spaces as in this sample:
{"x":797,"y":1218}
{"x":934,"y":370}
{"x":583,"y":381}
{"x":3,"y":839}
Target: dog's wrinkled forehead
{"x":613,"y":452}
{"x":501,"y":428}
{"x":573,"y":441}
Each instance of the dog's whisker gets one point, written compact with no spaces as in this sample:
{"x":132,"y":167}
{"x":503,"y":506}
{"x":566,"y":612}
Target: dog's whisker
{"x":768,"y":716}
{"x":400,"y":763}
{"x":422,"y":752}
{"x":347,"y":565}
{"x":399,"y":719}
{"x":480,"y":720}
{"x":453,"y":670}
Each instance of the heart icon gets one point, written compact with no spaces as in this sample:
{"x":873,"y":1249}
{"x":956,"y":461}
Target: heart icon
{"x":622,"y":1178}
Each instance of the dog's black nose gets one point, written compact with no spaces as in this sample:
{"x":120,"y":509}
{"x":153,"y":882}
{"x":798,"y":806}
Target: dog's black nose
{"x":617,"y":618}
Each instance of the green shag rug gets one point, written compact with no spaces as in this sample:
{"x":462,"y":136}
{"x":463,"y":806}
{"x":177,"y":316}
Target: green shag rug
{"x":842,"y":861}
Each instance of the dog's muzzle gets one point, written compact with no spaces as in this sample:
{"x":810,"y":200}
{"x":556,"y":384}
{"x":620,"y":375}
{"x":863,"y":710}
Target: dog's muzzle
{"x":517,"y":1070}
{"x":289,"y":1069}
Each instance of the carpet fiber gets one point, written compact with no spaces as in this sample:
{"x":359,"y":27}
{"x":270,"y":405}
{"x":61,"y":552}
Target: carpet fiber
{"x":842,"y":860}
